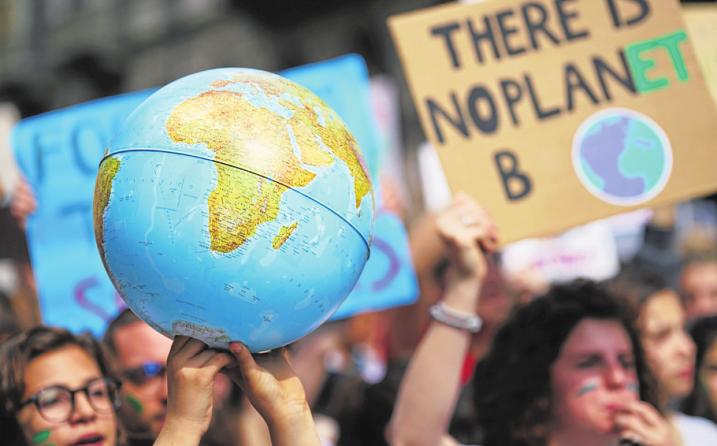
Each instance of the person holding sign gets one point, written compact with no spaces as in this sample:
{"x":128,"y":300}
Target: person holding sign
{"x":531,"y":104}
{"x":15,"y":192}
{"x":565,"y":369}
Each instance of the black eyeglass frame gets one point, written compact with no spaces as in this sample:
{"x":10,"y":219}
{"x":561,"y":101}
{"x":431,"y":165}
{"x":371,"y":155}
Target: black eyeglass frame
{"x":113,"y":396}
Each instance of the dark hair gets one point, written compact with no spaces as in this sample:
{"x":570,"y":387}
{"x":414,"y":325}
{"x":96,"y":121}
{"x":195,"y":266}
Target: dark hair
{"x":709,"y":256}
{"x":704,"y":333}
{"x":699,"y":259}
{"x":512,"y":382}
{"x":636,"y":284}
{"x":23,"y":96}
{"x":17,"y":352}
{"x":124,"y":318}
{"x":8,"y":320}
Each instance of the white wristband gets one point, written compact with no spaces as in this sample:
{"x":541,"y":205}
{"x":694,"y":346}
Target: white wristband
{"x":456,"y":319}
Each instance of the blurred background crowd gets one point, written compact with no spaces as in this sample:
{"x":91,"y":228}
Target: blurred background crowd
{"x":62,"y":52}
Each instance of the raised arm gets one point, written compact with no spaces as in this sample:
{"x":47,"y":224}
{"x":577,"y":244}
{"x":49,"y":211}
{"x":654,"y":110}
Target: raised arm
{"x":23,"y":202}
{"x":430,"y":388}
{"x":273,"y":388}
{"x":191,"y":369}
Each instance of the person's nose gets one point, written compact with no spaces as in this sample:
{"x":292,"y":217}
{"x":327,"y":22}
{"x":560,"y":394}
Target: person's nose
{"x":82,"y":409}
{"x":615,"y":376}
{"x":686,"y":346}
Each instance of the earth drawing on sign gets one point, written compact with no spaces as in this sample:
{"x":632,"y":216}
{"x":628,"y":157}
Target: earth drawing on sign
{"x":622,"y":157}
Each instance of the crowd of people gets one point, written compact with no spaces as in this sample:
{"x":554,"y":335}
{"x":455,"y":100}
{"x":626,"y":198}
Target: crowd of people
{"x":482,"y":358}
{"x":585,"y":363}
{"x":479,"y":359}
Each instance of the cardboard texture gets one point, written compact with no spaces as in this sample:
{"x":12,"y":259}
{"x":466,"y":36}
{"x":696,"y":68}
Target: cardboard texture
{"x":701,"y":20}
{"x":556,"y":113}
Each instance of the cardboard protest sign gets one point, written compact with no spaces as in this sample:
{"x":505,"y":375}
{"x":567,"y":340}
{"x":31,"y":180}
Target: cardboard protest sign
{"x":553,"y":113}
{"x":701,"y":20}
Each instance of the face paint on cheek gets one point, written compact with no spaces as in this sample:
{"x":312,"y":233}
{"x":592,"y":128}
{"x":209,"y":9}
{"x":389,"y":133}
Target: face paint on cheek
{"x":135,"y":404}
{"x":587,"y":388}
{"x":41,"y":437}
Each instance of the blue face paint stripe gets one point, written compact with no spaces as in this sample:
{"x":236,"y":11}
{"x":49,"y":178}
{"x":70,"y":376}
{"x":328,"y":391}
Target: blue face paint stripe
{"x":587,"y":388}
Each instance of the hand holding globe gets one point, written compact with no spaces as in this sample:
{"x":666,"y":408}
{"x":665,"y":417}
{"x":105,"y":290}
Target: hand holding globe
{"x":233,"y":205}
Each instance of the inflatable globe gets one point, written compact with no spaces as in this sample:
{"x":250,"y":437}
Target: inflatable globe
{"x":622,"y":157}
{"x":233,"y":205}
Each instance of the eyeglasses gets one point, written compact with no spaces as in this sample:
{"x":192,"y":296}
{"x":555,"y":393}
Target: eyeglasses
{"x":144,"y":373}
{"x":57,"y":403}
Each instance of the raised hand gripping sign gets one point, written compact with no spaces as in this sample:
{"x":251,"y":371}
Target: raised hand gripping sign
{"x":558,"y":112}
{"x":59,"y":153}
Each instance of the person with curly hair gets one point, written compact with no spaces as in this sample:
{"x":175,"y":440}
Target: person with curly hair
{"x":568,"y":369}
{"x":565,"y":369}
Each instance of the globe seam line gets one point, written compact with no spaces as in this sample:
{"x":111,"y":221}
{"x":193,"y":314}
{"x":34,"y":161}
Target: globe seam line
{"x":129,"y":150}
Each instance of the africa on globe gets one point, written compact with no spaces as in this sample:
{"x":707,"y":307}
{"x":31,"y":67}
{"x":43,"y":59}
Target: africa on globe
{"x":233,"y":205}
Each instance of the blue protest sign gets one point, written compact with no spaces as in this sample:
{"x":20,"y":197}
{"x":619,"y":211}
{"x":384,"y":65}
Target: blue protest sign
{"x":388,"y":279}
{"x":59,"y":153}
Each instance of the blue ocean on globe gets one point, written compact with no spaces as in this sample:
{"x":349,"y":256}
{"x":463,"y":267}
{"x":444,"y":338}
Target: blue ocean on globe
{"x":234,"y":205}
{"x":622,"y":157}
